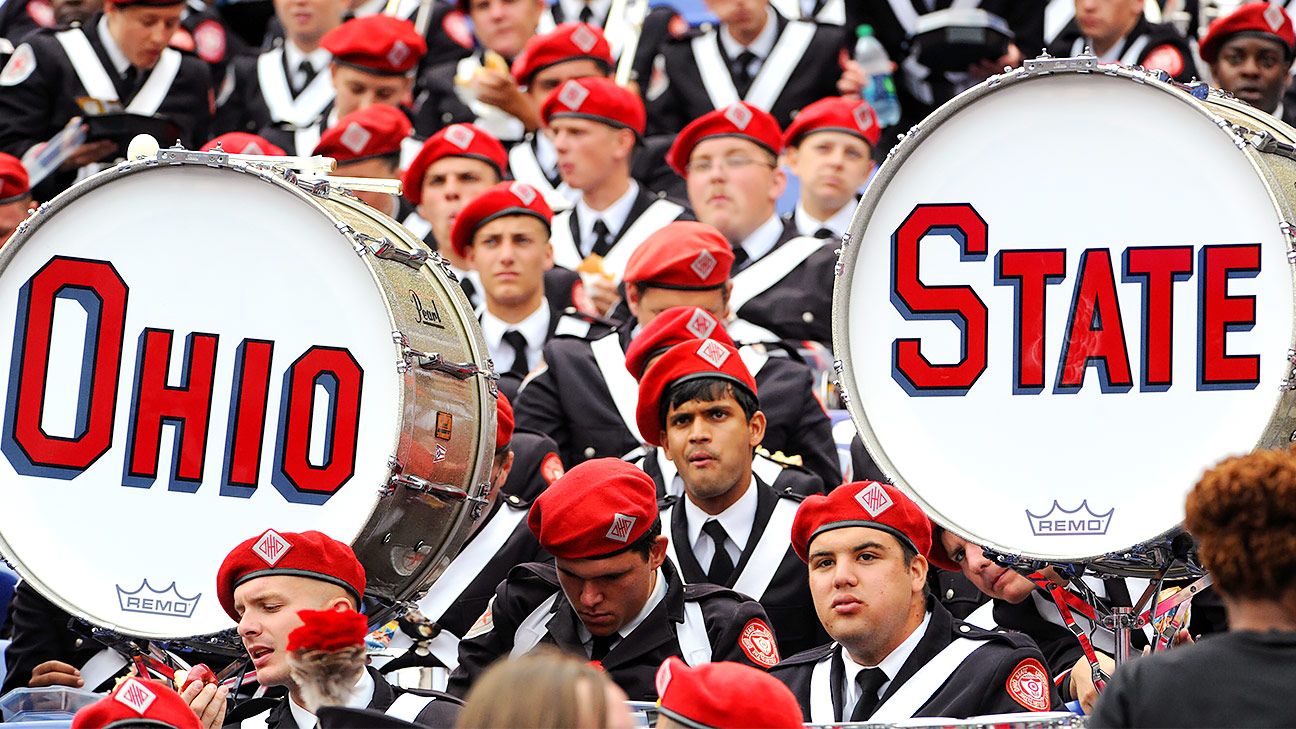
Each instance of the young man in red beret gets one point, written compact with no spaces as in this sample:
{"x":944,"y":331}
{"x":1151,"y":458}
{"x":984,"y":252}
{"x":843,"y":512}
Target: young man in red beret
{"x":730,"y":527}
{"x":611,"y":595}
{"x":661,"y":25}
{"x":15,"y":195}
{"x":897,"y":652}
{"x":1118,"y":32}
{"x":723,"y":695}
{"x":782,"y":280}
{"x":367,"y":143}
{"x":1250,"y":53}
{"x":119,"y":57}
{"x":829,"y":148}
{"x":262,"y":584}
{"x":137,"y":703}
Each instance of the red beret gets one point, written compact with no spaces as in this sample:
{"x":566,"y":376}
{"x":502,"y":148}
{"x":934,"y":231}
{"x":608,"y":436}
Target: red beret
{"x":862,"y":503}
{"x":681,"y":255}
{"x":835,"y":114}
{"x":373,"y":131}
{"x":498,"y":201}
{"x":595,"y":510}
{"x":377,"y":44}
{"x":674,"y":326}
{"x":244,"y":143}
{"x":134,"y":702}
{"x":151,"y":3}
{"x":503,"y":422}
{"x":14,"y":183}
{"x":306,"y":554}
{"x":690,"y":360}
{"x":1258,"y":17}
{"x":567,"y":42}
{"x":725,"y":695}
{"x":456,"y":140}
{"x":736,"y":120}
{"x":937,"y":555}
{"x":596,"y":99}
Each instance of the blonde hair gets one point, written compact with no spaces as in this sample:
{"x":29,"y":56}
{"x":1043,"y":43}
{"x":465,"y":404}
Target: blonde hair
{"x":544,"y":689}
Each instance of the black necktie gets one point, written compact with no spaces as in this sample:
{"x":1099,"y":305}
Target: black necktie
{"x":586,"y":15}
{"x":743,"y":72}
{"x":514,"y":339}
{"x":308,"y":72}
{"x":602,"y":238}
{"x":869,"y":681}
{"x":602,"y":644}
{"x":824,"y":233}
{"x":740,"y":259}
{"x":470,"y":290}
{"x":721,"y":566}
{"x":132,"y":78}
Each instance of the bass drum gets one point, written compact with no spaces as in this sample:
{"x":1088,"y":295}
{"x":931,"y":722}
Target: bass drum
{"x":1066,"y":294}
{"x":205,"y":347}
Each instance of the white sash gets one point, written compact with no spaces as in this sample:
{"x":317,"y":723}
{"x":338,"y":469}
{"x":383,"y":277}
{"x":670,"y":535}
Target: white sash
{"x":668,"y":473}
{"x":906,"y":15}
{"x":766,"y":469}
{"x":407,"y":706}
{"x":415,"y":224}
{"x":821,"y":691}
{"x":754,"y":360}
{"x":1131,"y":55}
{"x":306,"y":109}
{"x":625,"y":391}
{"x":547,"y":22}
{"x":653,"y":219}
{"x":920,"y":687}
{"x":772,"y":268}
{"x":695,"y":645}
{"x":774,"y":72}
{"x":833,"y":13}
{"x":257,"y":722}
{"x":99,"y":85}
{"x":983,"y":617}
{"x":532,"y":630}
{"x":768,"y":554}
{"x":565,"y":251}
{"x":915,"y":73}
{"x":671,"y":553}
{"x":1056,"y":16}
{"x":526,"y":168}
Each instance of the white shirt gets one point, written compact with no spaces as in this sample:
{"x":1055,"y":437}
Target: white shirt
{"x":319,"y":60}
{"x":614,"y":217}
{"x":571,"y":10}
{"x":360,"y":697}
{"x":534,"y":328}
{"x":654,"y":599}
{"x":807,"y":224}
{"x":119,"y":61}
{"x":763,"y":239}
{"x":890,"y":665}
{"x":737,"y":521}
{"x":761,"y":47}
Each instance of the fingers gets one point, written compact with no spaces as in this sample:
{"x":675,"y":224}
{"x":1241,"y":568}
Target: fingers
{"x":207,"y":701}
{"x":55,"y":673}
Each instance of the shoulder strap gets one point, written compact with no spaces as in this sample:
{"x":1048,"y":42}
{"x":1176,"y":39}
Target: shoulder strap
{"x":565,"y":252}
{"x":821,"y":690}
{"x":103,"y":665}
{"x":782,"y":61}
{"x":695,"y":644}
{"x":668,"y":472}
{"x":525,"y":167}
{"x":625,"y":391}
{"x":300,"y":112}
{"x":767,"y":469}
{"x":408,"y":706}
{"x":768,"y":554}
{"x":671,"y":552}
{"x":157,"y":85}
{"x":755,"y":360}
{"x":1056,"y":16}
{"x":833,"y":13}
{"x":905,"y":14}
{"x":983,"y":617}
{"x":259,"y":721}
{"x":532,"y":628}
{"x":787,"y":8}
{"x":654,"y":218}
{"x":89,"y":69}
{"x":915,"y":692}
{"x":770,"y":269}
{"x":716,"y":80}
{"x":467,"y":565}
{"x":1131,"y":55}
{"x":547,"y":22}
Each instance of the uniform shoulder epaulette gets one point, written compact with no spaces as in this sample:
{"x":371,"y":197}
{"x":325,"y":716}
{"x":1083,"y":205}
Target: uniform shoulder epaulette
{"x":790,"y":494}
{"x":580,"y":325}
{"x":534,"y":572}
{"x":516,"y":502}
{"x":700,"y":591}
{"x":810,"y":655}
{"x":1016,"y":639}
{"x":780,"y":457}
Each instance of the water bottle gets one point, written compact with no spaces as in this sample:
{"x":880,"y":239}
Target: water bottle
{"x":880,"y":91}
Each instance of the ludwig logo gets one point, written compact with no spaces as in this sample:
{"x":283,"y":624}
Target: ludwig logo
{"x":147,"y":599}
{"x":1080,"y":521}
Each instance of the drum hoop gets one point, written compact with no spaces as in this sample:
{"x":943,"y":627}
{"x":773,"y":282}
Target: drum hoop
{"x":848,"y":260}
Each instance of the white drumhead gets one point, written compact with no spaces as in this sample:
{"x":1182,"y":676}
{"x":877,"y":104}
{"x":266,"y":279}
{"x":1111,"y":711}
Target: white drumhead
{"x":208,"y":251}
{"x":1074,"y":162}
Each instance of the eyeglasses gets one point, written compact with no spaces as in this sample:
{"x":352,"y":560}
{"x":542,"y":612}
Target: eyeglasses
{"x":731,"y":162}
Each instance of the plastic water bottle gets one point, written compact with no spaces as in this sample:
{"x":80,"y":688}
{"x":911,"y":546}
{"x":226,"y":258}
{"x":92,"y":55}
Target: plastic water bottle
{"x":880,"y":92}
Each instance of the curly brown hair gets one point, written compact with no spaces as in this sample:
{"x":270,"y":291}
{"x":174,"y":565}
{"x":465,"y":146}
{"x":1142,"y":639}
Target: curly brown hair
{"x":1243,"y":514}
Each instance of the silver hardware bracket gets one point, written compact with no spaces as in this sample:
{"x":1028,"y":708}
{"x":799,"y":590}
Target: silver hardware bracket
{"x":385,"y":249}
{"x":1045,"y":65}
{"x":434,"y":362}
{"x":176,"y":156}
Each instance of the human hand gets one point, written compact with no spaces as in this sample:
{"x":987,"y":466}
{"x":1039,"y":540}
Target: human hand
{"x":207,"y":700}
{"x":1082,"y":685}
{"x":55,"y":673}
{"x":853,"y":79}
{"x":984,"y":69}
{"x":603,"y":294}
{"x":88,"y":153}
{"x":498,"y":89}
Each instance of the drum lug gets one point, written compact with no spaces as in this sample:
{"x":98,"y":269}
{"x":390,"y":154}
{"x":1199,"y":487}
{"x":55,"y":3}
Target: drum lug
{"x":459,"y":370}
{"x":1046,"y":64}
{"x":1289,"y":232}
{"x":383,"y":248}
{"x":446,"y":492}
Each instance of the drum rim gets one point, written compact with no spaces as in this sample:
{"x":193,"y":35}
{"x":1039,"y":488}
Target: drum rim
{"x":848,"y":258}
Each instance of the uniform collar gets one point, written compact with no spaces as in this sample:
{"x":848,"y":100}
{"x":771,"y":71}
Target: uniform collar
{"x":737,"y":520}
{"x":360,"y":698}
{"x":763,"y":239}
{"x":614,"y":217}
{"x":890,"y":665}
{"x":655,"y":598}
{"x":571,"y":10}
{"x":293,"y":56}
{"x":807,"y":224}
{"x":114,"y":51}
{"x":535,"y":328}
{"x":762,"y":46}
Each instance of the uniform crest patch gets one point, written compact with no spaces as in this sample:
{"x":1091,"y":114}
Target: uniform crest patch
{"x":524,"y":192}
{"x":713,"y":353}
{"x":621,"y":526}
{"x":459,"y":135}
{"x":663,"y":678}
{"x":271,"y":547}
{"x":551,"y":468}
{"x":21,"y":65}
{"x":209,"y":40}
{"x":355,"y":137}
{"x":456,"y":27}
{"x":1165,"y":58}
{"x":484,"y":624}
{"x":703,"y":264}
{"x":136,"y":695}
{"x":42,"y":12}
{"x":738,"y":114}
{"x":701,"y":324}
{"x":573,"y":95}
{"x":1028,"y":685}
{"x":757,"y":642}
{"x":583,"y":38}
{"x":874,"y":499}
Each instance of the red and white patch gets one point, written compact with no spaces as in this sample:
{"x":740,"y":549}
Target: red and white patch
{"x":136,"y":695}
{"x":41,"y":12}
{"x":523,"y":191}
{"x":677,"y":26}
{"x":459,"y":135}
{"x":663,"y":678}
{"x":271,"y":547}
{"x":484,"y":624}
{"x":739,"y":115}
{"x":439,"y":454}
{"x":703,"y":264}
{"x":456,"y":28}
{"x":573,"y":95}
{"x":551,"y":468}
{"x":583,"y":38}
{"x":713,"y":353}
{"x":1274,"y":16}
{"x":355,"y":137}
{"x":864,"y":117}
{"x":757,"y":642}
{"x":621,"y":526}
{"x":1028,"y":685}
{"x":701,"y":324}
{"x":874,"y":499}
{"x":398,"y":53}
{"x":181,"y":40}
{"x":253,"y":148}
{"x":209,"y":41}
{"x":1165,"y":58}
{"x":20,"y":66}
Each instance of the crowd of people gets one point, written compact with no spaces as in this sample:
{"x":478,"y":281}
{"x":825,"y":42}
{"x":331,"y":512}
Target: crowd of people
{"x":671,"y":504}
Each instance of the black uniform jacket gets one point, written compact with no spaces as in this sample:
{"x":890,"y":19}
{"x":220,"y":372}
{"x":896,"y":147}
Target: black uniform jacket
{"x":439,"y":713}
{"x":977,"y":686}
{"x":568,"y":399}
{"x":656,"y":31}
{"x":633,"y":661}
{"x":787,"y":600}
{"x":797,"y":306}
{"x":40,"y":633}
{"x":685,"y":97}
{"x":1162,"y":43}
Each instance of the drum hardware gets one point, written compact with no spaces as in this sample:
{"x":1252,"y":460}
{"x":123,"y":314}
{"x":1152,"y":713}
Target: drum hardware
{"x":436,"y":363}
{"x":384,"y":248}
{"x":1045,"y":64}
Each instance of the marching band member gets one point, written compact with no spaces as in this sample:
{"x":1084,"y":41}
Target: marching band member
{"x":723,"y":695}
{"x":374,"y":62}
{"x":661,"y":24}
{"x":1241,"y":514}
{"x":138,"y":703}
{"x":15,"y":195}
{"x":1250,"y":54}
{"x":243,"y":143}
{"x":595,"y":127}
{"x":829,"y":147}
{"x":755,"y":55}
{"x":118,"y":58}
{"x":729,"y":159}
{"x":610,"y":594}
{"x":367,"y":143}
{"x":898,"y":654}
{"x":262,"y":584}
{"x":698,"y":402}
{"x":448,"y":35}
{"x":1116,"y":31}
